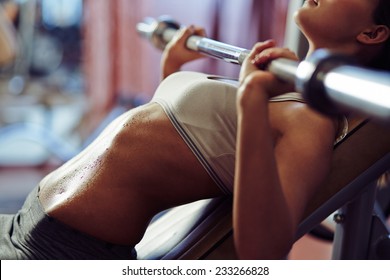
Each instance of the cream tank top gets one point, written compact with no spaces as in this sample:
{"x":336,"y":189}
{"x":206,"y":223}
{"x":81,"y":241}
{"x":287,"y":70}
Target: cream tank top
{"x":202,"y":108}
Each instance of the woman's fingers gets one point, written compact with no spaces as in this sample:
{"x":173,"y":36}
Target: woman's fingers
{"x":262,"y":59}
{"x":186,"y":32}
{"x":260,"y":47}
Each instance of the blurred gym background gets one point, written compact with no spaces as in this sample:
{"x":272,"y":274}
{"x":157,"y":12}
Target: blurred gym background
{"x":80,"y":63}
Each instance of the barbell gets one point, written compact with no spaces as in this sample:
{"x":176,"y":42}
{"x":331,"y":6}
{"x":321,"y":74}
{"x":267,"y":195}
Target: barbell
{"x":330,"y":82}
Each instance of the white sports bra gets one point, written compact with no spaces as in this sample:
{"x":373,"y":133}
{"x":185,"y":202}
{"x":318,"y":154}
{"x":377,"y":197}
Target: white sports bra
{"x":202,"y":108}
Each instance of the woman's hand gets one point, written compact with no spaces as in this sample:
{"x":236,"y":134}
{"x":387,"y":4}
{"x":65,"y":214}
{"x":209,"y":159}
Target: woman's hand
{"x":176,"y":53}
{"x":253,"y":71}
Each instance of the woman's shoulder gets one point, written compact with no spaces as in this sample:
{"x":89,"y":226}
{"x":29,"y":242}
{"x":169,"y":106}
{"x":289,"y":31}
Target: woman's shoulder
{"x":299,"y":120}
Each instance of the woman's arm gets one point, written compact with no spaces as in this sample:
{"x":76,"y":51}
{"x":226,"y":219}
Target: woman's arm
{"x":176,"y":53}
{"x":274,"y":179}
{"x":8,"y":47}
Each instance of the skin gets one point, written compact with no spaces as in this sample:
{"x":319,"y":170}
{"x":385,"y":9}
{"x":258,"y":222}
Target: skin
{"x":7,"y":39}
{"x":113,"y":188}
{"x":275,"y":178}
{"x":276,"y":190}
{"x":349,"y":27}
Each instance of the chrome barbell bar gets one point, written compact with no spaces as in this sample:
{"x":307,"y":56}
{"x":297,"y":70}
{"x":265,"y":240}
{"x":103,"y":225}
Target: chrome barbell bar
{"x":330,"y":82}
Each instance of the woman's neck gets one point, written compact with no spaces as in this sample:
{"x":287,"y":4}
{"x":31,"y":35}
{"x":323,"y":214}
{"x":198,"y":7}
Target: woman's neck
{"x":363,"y":55}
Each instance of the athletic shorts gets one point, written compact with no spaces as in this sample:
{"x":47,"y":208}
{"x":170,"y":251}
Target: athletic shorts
{"x":32,"y":234}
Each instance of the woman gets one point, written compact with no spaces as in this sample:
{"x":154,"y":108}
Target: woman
{"x":8,"y":44}
{"x":190,"y":143}
{"x":285,"y":182}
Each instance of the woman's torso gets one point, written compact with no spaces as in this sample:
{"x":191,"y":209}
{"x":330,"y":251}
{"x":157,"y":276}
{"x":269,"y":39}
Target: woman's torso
{"x":137,"y":167}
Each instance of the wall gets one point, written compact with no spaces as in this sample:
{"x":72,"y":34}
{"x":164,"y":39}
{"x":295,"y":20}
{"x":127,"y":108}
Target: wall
{"x":121,"y":65}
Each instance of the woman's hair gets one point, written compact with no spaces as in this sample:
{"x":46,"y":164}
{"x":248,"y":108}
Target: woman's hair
{"x":382,"y":16}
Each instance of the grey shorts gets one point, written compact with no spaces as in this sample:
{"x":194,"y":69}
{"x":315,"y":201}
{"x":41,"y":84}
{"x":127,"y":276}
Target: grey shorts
{"x":32,"y":234}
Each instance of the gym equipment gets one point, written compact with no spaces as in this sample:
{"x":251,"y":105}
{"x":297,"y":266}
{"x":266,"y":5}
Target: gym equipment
{"x":203,"y":229}
{"x":330,"y":82}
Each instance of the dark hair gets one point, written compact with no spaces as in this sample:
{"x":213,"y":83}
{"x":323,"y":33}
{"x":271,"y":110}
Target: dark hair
{"x":382,"y":16}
